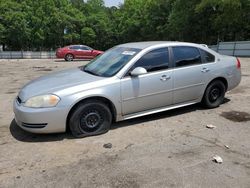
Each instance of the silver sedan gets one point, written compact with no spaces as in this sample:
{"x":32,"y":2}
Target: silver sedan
{"x":127,"y":81}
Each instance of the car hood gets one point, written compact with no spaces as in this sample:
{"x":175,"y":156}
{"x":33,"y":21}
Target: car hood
{"x":98,"y":51}
{"x":54,"y":82}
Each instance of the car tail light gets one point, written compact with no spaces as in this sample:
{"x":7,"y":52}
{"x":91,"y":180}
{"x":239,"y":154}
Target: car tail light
{"x":238,"y":63}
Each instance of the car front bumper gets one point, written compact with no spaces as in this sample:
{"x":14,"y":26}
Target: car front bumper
{"x":40,"y":120}
{"x":60,"y":55}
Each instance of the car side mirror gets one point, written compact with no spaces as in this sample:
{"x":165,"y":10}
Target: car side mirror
{"x":138,"y":71}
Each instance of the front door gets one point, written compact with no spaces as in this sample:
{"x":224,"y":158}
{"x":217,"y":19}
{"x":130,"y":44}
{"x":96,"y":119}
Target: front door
{"x":149,"y":91}
{"x":85,"y":53}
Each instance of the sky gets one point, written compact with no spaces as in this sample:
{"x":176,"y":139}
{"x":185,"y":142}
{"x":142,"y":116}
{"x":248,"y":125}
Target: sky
{"x":110,"y":3}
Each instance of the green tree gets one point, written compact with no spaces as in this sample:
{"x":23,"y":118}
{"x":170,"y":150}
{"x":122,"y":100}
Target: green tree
{"x":14,"y":22}
{"x":46,"y":24}
{"x":88,"y":36}
{"x":228,"y":18}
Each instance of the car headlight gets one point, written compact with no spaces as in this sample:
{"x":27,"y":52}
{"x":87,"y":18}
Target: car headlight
{"x":42,"y":101}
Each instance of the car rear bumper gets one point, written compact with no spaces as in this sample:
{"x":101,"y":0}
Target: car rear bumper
{"x":234,"y":79}
{"x":40,"y":120}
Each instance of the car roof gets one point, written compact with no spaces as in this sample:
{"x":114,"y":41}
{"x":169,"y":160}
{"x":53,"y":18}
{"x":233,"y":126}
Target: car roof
{"x":77,"y":45}
{"x":143,"y":45}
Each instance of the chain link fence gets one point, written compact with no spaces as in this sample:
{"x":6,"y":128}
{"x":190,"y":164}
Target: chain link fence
{"x":237,"y":48}
{"x":27,"y":55}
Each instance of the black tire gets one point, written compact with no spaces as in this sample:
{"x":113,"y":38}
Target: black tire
{"x":214,"y":94}
{"x":90,"y":118}
{"x":69,"y":57}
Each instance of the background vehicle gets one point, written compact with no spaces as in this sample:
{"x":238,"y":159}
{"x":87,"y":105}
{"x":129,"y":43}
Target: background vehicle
{"x":127,"y":81}
{"x":77,"y":52}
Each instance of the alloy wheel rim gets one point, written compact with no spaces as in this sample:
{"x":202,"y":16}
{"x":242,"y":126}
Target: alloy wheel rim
{"x":70,"y":57}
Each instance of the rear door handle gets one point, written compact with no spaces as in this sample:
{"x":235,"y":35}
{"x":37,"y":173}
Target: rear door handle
{"x":165,"y":77}
{"x":205,"y":69}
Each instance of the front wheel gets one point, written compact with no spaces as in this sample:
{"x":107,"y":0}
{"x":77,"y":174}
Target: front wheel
{"x":214,"y":94}
{"x":90,"y":118}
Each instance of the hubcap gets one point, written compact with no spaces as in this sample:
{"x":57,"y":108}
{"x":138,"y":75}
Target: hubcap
{"x":214,"y":94}
{"x":91,"y":121}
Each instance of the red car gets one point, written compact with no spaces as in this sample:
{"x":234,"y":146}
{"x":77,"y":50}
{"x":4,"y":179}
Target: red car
{"x":77,"y":52}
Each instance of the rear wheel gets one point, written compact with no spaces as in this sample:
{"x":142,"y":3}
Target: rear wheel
{"x":214,"y":94}
{"x":69,"y":57}
{"x":90,"y":118}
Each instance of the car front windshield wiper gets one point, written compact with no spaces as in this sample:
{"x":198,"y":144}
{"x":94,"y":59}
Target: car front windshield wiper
{"x":90,"y":72}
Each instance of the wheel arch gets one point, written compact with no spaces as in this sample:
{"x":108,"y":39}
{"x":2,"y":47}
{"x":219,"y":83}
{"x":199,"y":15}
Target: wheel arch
{"x":106,"y":101}
{"x":224,"y":80}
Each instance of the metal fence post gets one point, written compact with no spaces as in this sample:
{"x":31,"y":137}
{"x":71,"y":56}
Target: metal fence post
{"x":218,"y":47}
{"x":234,"y":48}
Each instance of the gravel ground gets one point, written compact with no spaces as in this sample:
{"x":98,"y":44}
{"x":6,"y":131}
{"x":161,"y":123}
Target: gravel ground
{"x":169,"y":149}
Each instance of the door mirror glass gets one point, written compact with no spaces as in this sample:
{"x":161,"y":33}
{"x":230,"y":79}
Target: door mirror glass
{"x":138,"y":71}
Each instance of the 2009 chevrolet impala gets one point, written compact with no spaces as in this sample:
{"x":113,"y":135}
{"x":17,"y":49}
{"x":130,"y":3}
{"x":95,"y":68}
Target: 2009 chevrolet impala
{"x":127,"y":81}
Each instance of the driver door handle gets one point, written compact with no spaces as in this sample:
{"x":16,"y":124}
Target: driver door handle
{"x":205,"y":69}
{"x":165,"y":77}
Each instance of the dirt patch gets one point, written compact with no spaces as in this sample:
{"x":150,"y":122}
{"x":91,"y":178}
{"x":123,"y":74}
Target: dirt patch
{"x":38,"y":67}
{"x":45,"y":69}
{"x":107,"y":146}
{"x":237,"y":90}
{"x":169,"y":149}
{"x":125,"y":180}
{"x":10,"y":92}
{"x":236,"y":116}
{"x":42,"y":68}
{"x":245,"y":75}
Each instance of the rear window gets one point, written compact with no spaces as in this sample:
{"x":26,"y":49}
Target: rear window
{"x":186,"y":56}
{"x":207,"y":57}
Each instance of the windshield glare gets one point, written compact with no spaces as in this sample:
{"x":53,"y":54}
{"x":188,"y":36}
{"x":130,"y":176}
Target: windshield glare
{"x":109,"y":63}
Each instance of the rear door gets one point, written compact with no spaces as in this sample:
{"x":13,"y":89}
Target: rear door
{"x":210,"y":67}
{"x":188,"y":74}
{"x":152,"y":90}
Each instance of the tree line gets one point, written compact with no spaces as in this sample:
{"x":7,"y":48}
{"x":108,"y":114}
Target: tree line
{"x":48,"y":24}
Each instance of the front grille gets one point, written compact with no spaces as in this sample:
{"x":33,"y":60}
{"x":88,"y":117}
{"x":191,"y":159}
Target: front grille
{"x":19,"y":100}
{"x":34,"y":125}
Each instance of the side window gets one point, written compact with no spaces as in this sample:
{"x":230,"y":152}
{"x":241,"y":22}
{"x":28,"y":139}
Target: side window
{"x":154,"y":60}
{"x":84,"y":48}
{"x":185,"y":56}
{"x":208,"y":58}
{"x":74,"y":47}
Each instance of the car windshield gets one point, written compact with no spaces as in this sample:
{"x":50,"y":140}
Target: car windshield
{"x":109,"y":63}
